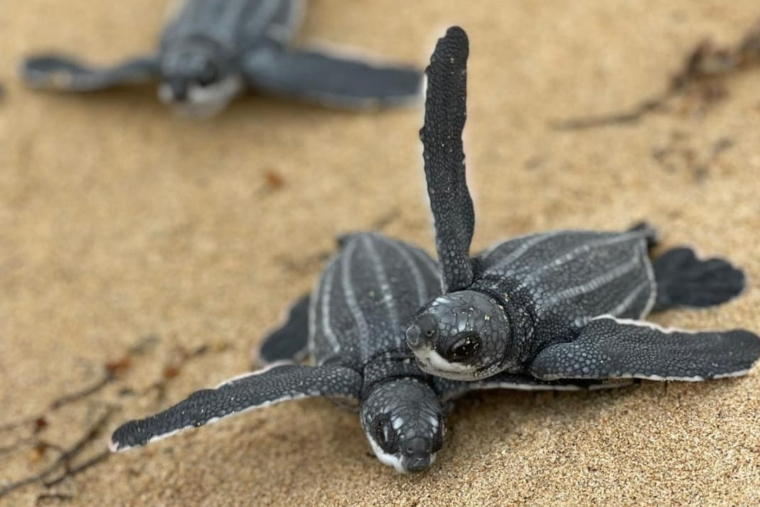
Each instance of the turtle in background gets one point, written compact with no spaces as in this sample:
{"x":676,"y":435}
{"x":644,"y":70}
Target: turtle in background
{"x":213,"y":50}
{"x":561,"y":304}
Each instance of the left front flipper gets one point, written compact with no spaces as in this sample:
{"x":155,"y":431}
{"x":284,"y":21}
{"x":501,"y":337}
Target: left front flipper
{"x":255,"y":390}
{"x":617,"y":348}
{"x":61,"y":73}
{"x":330,"y":79}
{"x":452,"y":389}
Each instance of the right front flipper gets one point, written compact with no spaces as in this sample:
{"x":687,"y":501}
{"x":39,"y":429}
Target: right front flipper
{"x":441,"y":135}
{"x":55,"y":72}
{"x":255,"y":390}
{"x":609,"y":348}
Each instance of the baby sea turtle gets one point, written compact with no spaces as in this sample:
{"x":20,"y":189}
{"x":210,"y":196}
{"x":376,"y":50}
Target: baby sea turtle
{"x":352,"y":325}
{"x":211,"y":50}
{"x":558,"y":304}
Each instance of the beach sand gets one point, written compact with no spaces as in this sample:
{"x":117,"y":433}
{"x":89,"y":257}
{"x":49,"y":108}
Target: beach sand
{"x":124,"y":224}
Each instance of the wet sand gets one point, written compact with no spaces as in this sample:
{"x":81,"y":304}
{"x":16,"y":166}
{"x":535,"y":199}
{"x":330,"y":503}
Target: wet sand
{"x":123,"y":224}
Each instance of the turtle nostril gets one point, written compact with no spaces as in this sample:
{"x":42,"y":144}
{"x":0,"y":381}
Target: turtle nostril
{"x":413,"y":336}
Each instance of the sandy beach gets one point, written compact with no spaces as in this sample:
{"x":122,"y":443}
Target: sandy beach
{"x":143,"y":255}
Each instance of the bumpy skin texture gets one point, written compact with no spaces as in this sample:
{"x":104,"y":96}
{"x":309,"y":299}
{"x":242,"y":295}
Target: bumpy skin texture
{"x":209,"y":48}
{"x":611,"y":348}
{"x":281,"y":383}
{"x":445,"y":117}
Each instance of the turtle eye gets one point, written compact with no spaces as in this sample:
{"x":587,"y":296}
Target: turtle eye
{"x":463,"y":348}
{"x":208,"y":75}
{"x":384,"y":434}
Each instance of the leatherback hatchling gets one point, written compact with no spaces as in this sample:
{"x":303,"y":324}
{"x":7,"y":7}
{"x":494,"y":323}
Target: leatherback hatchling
{"x":211,"y":50}
{"x":556,"y":305}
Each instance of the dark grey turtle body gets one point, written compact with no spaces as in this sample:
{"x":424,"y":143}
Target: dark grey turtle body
{"x":354,"y":320}
{"x":211,"y":50}
{"x":563,"y":304}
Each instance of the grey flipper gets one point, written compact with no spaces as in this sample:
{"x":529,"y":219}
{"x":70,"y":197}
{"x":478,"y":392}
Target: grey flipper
{"x":290,"y":341}
{"x":441,"y":135}
{"x":330,"y":80}
{"x":452,"y":389}
{"x":684,"y":280}
{"x":241,"y":394}
{"x":615,"y":348}
{"x":56,"y":72}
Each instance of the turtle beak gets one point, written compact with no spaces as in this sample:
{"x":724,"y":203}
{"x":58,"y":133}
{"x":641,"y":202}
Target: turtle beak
{"x":414,"y":337}
{"x":417,"y":465}
{"x":417,"y":456}
{"x":178,"y":89}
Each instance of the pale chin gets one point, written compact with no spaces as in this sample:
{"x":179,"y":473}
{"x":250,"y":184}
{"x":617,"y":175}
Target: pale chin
{"x":431,"y":362}
{"x":464,"y":375}
{"x":202,"y":102}
{"x":392,"y":460}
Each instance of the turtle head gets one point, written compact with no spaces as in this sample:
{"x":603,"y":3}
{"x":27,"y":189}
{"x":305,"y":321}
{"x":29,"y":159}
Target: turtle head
{"x":198,"y":79}
{"x":462,"y":336}
{"x":403,"y":421}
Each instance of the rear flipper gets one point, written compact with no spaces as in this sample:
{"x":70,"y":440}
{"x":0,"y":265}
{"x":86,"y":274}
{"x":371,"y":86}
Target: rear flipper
{"x":684,"y":280}
{"x":617,"y":348}
{"x":288,"y":342}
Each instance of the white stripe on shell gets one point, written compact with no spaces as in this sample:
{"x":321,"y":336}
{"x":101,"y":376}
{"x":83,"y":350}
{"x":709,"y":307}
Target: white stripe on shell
{"x":594,"y":283}
{"x":629,"y":300}
{"x":522,"y":249}
{"x":326,"y":288}
{"x":351,"y":301}
{"x":261,"y":17}
{"x":419,"y":283}
{"x":427,"y":262}
{"x":385,"y":288}
{"x":575,"y":252}
{"x":284,"y":33}
{"x":652,"y":284}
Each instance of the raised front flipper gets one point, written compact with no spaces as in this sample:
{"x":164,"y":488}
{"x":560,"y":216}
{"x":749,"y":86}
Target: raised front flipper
{"x":445,"y":116}
{"x":685,"y":280}
{"x":330,"y":79}
{"x":614,"y":348}
{"x":289,"y":341}
{"x":452,"y":389}
{"x":255,"y":390}
{"x":55,"y":72}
